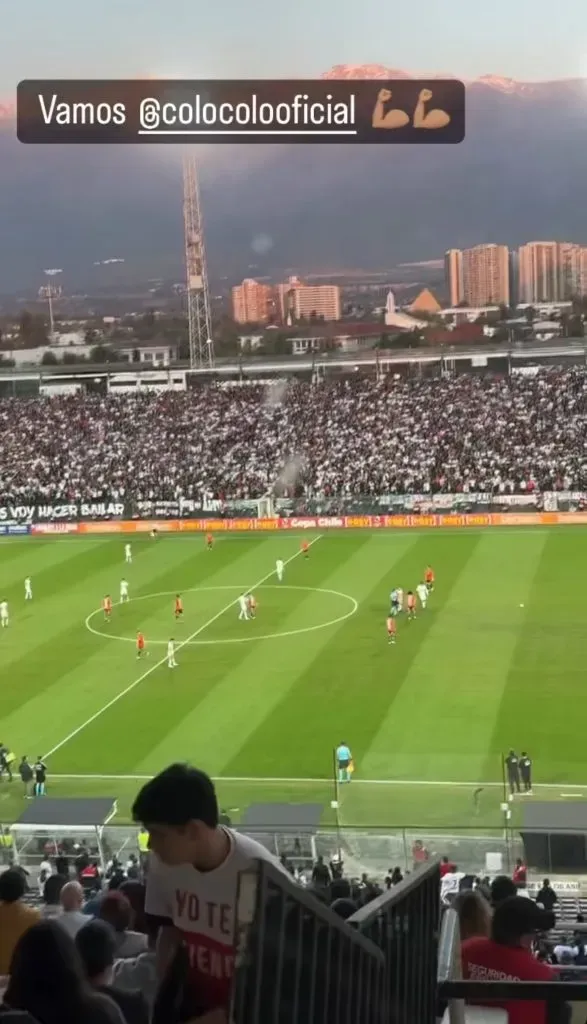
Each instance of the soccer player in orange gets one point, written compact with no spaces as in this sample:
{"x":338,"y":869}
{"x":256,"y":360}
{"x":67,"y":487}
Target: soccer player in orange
{"x":391,"y":629}
{"x":305,"y":548}
{"x":411,"y":605}
{"x":140,"y":644}
{"x":429,"y":579}
{"x":178,"y":607}
{"x":107,"y":606}
{"x":252,"y":603}
{"x":209,"y":541}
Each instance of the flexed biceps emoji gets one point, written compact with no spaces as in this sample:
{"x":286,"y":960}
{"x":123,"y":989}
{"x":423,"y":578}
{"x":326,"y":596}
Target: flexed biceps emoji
{"x":434,"y":118}
{"x":396,"y":118}
{"x":393,"y":118}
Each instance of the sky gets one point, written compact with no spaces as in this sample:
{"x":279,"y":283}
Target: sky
{"x":524,"y":39}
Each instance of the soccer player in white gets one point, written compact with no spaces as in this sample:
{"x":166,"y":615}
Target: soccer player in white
{"x":171,"y":662}
{"x":3,"y":614}
{"x":244,"y":607}
{"x":400,"y":599}
{"x":128,"y":554}
{"x":279,"y":569}
{"x":28,"y":589}
{"x":123,"y":591}
{"x":422,"y":592}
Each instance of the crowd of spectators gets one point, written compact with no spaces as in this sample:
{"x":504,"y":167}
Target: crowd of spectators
{"x":464,"y":433}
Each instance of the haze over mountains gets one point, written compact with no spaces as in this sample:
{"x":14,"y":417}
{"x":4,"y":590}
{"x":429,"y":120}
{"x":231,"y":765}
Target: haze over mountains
{"x":519,"y":175}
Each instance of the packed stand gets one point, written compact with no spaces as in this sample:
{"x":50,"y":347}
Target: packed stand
{"x":464,"y":433}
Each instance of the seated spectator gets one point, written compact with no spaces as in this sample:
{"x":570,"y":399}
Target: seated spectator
{"x":47,"y":980}
{"x":45,"y":870}
{"x":133,"y":870}
{"x":565,"y":952}
{"x":115,"y":908}
{"x":546,"y":896}
{"x":135,"y":893}
{"x":96,"y":944}
{"x":140,"y":971}
{"x":52,"y":896}
{"x":474,"y":914}
{"x":502,"y":888}
{"x":72,"y":900}
{"x":90,"y":878}
{"x":15,"y":917}
{"x":507,"y":953}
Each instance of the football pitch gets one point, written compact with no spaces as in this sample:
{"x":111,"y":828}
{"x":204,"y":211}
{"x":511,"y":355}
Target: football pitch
{"x":498,"y":659}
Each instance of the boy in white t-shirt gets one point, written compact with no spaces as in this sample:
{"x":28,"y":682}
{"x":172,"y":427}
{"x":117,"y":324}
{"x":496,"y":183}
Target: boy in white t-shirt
{"x":193,"y":876}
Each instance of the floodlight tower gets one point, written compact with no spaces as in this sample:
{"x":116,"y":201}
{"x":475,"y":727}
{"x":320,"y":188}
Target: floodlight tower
{"x":198,"y":296}
{"x":50,"y":295}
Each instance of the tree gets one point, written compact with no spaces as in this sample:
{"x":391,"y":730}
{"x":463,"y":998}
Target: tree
{"x":69,"y":358}
{"x":103,"y":354}
{"x":530,"y":314}
{"x":49,"y":359}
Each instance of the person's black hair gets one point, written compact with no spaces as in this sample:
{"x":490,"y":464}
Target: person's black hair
{"x":176,"y":796}
{"x":52,"y":889}
{"x":96,"y":944}
{"x":47,"y":976}
{"x":502,"y":888}
{"x":12,"y":886}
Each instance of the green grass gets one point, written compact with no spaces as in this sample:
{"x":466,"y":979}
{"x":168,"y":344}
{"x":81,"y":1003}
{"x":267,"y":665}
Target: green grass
{"x":497,"y":660}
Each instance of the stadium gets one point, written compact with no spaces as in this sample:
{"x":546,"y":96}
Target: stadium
{"x":253,"y":531}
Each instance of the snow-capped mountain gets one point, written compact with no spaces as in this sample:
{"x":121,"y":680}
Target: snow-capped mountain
{"x":519,"y":175}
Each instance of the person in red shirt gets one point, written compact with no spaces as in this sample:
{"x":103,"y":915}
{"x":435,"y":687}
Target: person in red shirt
{"x":391,"y":629}
{"x":107,"y":606}
{"x":411,"y":601}
{"x":140,"y":645}
{"x":507,"y":956}
{"x":305,"y":548}
{"x":178,"y":607}
{"x":429,"y":579}
{"x":447,"y":867}
{"x":520,"y":874}
{"x":209,"y":541}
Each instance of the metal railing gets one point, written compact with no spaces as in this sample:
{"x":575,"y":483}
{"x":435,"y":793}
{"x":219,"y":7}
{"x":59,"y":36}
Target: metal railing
{"x":455,"y":993}
{"x":299,"y":963}
{"x":404,"y":924}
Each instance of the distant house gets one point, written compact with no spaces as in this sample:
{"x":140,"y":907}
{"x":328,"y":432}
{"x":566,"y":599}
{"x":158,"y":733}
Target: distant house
{"x":155,"y":352}
{"x":335,"y":334}
{"x":461,"y":335}
{"x":250,"y":342}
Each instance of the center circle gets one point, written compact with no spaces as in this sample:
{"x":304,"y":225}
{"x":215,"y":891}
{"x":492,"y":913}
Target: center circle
{"x":354,"y":605}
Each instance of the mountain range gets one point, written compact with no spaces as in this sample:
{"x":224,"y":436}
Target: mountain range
{"x":519,"y":175}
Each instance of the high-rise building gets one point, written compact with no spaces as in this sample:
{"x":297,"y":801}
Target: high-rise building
{"x":486,"y":275}
{"x":453,"y":269}
{"x":552,"y":271}
{"x":251,"y":302}
{"x":478,"y":276}
{"x":539,"y":274}
{"x":299,"y":301}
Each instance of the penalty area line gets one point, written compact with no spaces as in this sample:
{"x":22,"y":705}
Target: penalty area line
{"x":163,"y":661}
